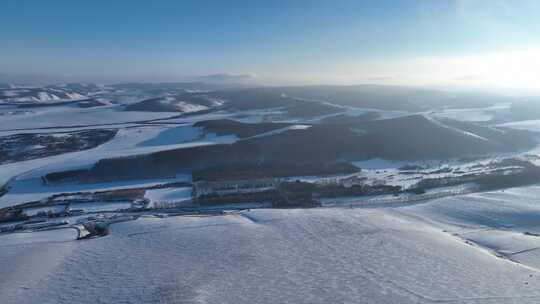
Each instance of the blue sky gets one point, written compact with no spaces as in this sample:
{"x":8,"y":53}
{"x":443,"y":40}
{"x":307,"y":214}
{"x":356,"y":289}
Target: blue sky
{"x":343,"y":41}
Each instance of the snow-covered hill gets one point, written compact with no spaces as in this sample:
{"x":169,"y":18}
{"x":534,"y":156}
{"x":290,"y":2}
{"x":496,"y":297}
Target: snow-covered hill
{"x":183,"y":103}
{"x":39,"y":95}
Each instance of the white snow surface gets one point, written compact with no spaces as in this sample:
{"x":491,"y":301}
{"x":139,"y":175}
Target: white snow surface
{"x":281,"y":130}
{"x":532,"y":125}
{"x":472,"y":114}
{"x":266,"y":256}
{"x":64,"y":116}
{"x":169,"y":195}
{"x":504,"y":222}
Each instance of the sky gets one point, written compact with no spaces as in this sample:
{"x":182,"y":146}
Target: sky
{"x":426,"y":43}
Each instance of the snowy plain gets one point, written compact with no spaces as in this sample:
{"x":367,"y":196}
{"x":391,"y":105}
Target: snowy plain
{"x":268,"y":256}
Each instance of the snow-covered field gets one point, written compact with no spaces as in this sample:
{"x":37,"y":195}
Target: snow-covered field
{"x":168,"y":196}
{"x":388,"y":255}
{"x":506,"y":222}
{"x":472,"y":114}
{"x":532,"y":125}
{"x":70,"y":116}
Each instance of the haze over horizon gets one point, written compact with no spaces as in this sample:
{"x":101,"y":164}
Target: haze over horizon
{"x":471,"y":44}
